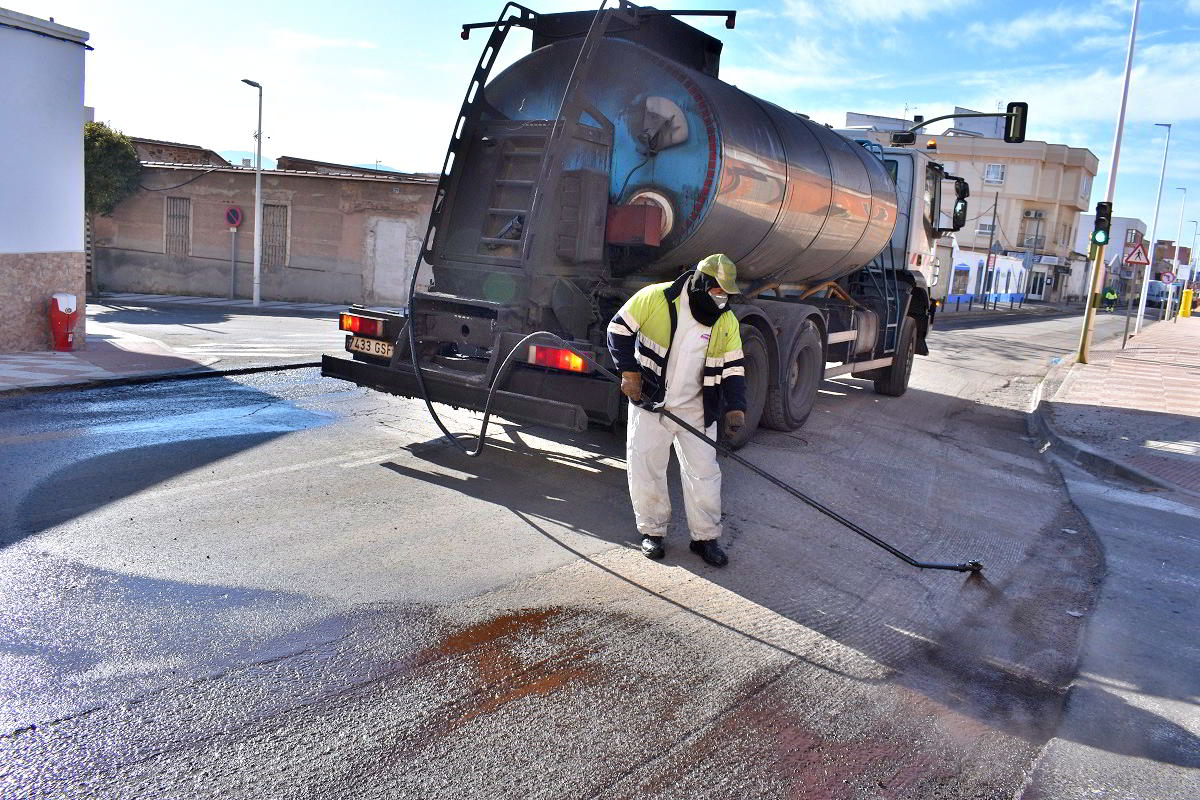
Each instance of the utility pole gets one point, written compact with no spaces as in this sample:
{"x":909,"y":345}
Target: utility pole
{"x":1178,"y":242}
{"x":258,"y":198}
{"x":987,"y":268}
{"x":1089,"y":312}
{"x":1150,"y":248}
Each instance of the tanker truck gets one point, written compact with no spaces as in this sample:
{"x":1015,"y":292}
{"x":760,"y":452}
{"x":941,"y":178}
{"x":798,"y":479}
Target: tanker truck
{"x":612,"y":156}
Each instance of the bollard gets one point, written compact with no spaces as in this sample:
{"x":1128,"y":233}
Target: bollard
{"x":957,"y":300}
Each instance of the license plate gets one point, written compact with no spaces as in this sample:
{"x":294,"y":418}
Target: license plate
{"x":374,"y":347}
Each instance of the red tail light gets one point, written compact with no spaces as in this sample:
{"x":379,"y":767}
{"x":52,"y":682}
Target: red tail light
{"x":363,"y":326}
{"x":556,"y":358}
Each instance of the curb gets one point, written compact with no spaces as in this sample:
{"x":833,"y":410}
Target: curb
{"x":117,"y":302}
{"x":154,"y":377}
{"x":1050,"y":442}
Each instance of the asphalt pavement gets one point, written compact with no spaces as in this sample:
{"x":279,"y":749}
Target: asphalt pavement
{"x":279,"y":585}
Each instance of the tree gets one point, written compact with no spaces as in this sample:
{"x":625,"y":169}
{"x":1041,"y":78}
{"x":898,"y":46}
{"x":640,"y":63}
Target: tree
{"x":110,"y":167}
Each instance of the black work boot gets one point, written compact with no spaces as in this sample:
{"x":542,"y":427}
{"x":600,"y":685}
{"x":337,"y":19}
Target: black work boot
{"x":710,"y":551}
{"x":652,"y":547}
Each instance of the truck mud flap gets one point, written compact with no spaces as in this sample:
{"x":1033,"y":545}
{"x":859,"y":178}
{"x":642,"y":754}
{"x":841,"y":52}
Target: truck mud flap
{"x":510,"y":405}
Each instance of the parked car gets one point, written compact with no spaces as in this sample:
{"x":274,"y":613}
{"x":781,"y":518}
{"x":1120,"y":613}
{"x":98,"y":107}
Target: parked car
{"x":1156,"y":294}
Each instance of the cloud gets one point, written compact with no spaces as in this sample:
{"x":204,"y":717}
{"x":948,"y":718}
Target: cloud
{"x":865,"y":11}
{"x":1019,"y":30}
{"x":1061,"y":95}
{"x":887,"y":10}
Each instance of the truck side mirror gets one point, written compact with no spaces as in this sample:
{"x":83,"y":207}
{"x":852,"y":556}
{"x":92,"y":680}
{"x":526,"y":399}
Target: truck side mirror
{"x":959,"y":217}
{"x":900,"y":138}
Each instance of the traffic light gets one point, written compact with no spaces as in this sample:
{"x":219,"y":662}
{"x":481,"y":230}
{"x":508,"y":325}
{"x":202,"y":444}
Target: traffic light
{"x":1103,"y":223}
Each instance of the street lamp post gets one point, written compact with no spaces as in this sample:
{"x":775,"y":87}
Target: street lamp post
{"x":1094,"y":276}
{"x":258,"y":203}
{"x":1192,"y":252}
{"x":1178,"y":247}
{"x":1153,"y":229}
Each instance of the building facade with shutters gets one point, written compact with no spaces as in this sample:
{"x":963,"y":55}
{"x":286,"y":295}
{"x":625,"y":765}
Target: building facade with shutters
{"x":1037,"y":192}
{"x":327,"y":237}
{"x":41,"y":177}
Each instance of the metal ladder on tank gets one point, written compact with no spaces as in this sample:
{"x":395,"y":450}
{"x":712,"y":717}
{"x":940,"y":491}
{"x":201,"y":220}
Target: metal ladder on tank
{"x":881,"y":272}
{"x":519,"y":168}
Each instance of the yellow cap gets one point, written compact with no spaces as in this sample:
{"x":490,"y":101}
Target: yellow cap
{"x":720,"y":267}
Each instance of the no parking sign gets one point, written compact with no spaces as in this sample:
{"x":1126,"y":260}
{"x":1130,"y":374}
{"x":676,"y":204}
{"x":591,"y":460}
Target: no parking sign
{"x":234,"y":217}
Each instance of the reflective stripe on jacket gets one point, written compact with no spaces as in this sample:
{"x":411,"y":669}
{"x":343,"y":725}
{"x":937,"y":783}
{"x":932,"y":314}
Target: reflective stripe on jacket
{"x":640,"y":335}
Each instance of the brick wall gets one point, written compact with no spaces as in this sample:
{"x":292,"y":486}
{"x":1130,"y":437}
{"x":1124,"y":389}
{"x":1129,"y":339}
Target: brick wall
{"x":26,"y":282}
{"x":349,"y":240}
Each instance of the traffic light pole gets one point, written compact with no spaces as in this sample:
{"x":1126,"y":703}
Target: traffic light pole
{"x":1089,"y":316}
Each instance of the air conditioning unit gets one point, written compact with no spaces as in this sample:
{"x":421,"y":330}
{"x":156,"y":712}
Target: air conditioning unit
{"x":1031,"y":214}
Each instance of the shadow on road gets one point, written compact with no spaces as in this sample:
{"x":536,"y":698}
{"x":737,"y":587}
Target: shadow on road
{"x":999,"y":649}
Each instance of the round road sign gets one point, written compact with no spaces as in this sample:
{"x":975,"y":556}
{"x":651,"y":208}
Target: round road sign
{"x":234,"y":216}
{"x":1168,"y":277}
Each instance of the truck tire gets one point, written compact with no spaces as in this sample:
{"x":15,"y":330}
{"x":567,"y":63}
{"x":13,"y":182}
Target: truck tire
{"x":791,"y":400}
{"x":758,"y":375}
{"x":895,"y":380}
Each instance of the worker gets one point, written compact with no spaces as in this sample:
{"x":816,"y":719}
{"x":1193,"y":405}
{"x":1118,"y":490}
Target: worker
{"x":678,"y":348}
{"x":1110,"y":298}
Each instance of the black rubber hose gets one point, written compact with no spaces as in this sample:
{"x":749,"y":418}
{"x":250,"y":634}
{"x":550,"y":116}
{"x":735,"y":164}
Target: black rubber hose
{"x":506,"y":365}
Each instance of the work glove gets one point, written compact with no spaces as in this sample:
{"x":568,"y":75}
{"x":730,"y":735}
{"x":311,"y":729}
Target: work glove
{"x":734,"y":422}
{"x":631,"y":385}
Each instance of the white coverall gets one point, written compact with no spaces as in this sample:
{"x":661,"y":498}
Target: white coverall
{"x":650,"y":436}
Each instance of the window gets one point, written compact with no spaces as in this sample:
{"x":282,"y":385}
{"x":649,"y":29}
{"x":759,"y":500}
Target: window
{"x":1036,"y":242}
{"x":275,"y":236}
{"x":933,"y":198}
{"x":994,"y":173}
{"x":961,"y":279}
{"x":984,"y":228}
{"x":1132,"y":236}
{"x":179,"y":226}
{"x":1085,"y":187}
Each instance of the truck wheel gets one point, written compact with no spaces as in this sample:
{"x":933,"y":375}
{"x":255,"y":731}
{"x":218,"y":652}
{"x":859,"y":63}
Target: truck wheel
{"x":758,"y":374}
{"x":791,"y":401}
{"x":895,"y":381}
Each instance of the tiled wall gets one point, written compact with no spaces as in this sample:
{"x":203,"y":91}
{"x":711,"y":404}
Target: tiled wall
{"x":27,"y":280}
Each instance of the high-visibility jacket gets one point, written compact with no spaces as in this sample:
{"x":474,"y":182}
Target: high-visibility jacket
{"x":1110,"y":294}
{"x":640,"y":336}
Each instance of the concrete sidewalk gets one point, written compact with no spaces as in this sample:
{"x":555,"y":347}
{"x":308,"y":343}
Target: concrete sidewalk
{"x":1028,"y":308}
{"x":110,"y":355}
{"x":1137,"y":408}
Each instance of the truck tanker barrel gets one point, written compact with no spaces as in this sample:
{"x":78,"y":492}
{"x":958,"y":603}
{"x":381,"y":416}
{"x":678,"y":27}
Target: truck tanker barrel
{"x":788,"y":199}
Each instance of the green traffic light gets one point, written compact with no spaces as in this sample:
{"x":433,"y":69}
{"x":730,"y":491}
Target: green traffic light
{"x":1100,"y":237}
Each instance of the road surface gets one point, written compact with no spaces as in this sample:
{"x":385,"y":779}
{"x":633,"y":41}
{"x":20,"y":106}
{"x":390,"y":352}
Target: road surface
{"x":283,"y":586}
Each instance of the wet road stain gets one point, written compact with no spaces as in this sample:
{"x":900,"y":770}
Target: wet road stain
{"x":501,"y":674}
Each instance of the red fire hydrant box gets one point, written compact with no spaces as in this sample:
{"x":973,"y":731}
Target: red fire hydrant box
{"x":64,"y":311}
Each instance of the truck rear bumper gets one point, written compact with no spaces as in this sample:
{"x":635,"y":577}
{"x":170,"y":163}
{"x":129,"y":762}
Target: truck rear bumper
{"x":510,"y":405}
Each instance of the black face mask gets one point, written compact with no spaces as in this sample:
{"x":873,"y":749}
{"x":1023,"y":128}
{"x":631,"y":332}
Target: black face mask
{"x":703,"y":307}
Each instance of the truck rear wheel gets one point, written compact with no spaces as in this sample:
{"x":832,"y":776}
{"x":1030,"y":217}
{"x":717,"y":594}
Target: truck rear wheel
{"x":758,"y":374}
{"x":895,"y":380}
{"x":791,"y":400}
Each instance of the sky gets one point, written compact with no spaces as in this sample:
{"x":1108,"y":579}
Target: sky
{"x":361,"y":81}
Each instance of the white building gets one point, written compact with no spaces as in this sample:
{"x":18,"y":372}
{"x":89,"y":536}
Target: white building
{"x":41,"y":161}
